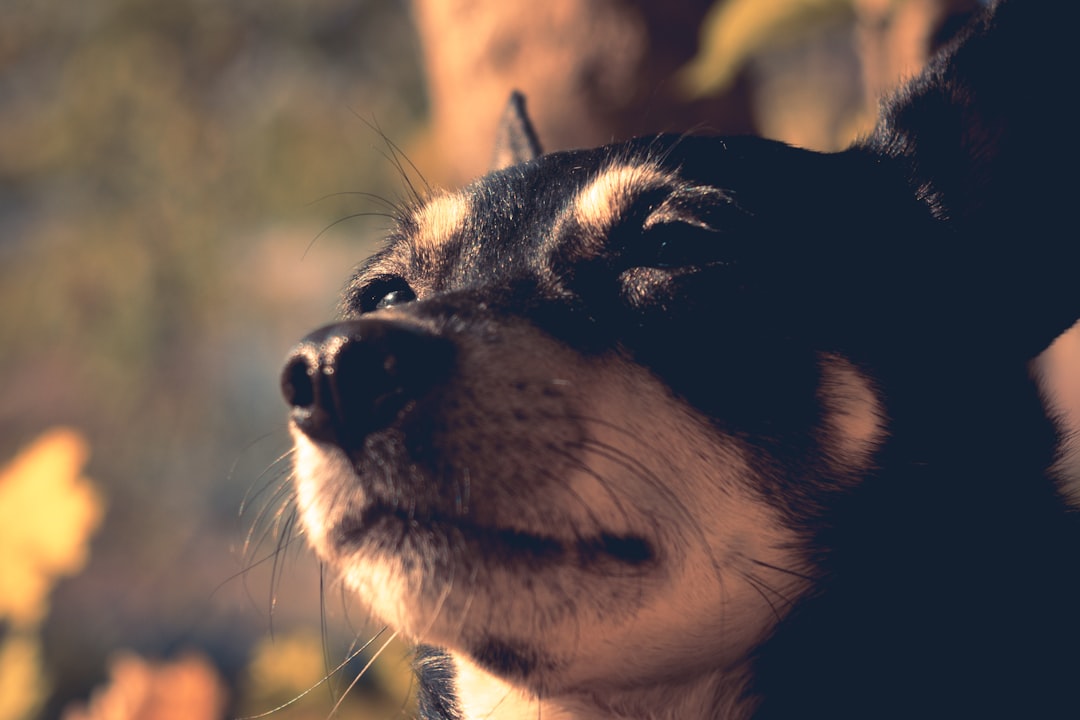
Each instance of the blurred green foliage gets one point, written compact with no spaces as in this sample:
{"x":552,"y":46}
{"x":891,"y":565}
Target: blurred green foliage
{"x":47,"y":512}
{"x":167,"y":170}
{"x":161,"y":169}
{"x":736,"y":30}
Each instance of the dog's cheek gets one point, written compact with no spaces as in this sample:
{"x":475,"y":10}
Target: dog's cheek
{"x":854,"y":423}
{"x":483,"y":695}
{"x":1059,"y":384}
{"x":644,"y":287}
{"x":727,"y":566}
{"x":381,"y":581}
{"x":323,"y":480}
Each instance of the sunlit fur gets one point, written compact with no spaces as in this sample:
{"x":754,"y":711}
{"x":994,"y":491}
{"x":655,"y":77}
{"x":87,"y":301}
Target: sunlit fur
{"x":574,"y":448}
{"x":612,"y":477}
{"x":439,"y":218}
{"x":607,"y":199}
{"x":691,"y":427}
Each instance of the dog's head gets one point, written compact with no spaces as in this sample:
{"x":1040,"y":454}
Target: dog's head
{"x":602,"y":418}
{"x":545,"y":392}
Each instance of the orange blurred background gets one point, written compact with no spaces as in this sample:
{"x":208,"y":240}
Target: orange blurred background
{"x":181,"y":198}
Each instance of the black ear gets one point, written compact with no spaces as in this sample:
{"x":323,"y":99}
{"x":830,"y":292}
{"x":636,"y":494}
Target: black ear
{"x":985,"y":140}
{"x":515,"y":139}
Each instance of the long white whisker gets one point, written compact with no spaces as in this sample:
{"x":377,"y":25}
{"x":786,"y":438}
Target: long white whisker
{"x":363,"y":670}
{"x":327,"y":677}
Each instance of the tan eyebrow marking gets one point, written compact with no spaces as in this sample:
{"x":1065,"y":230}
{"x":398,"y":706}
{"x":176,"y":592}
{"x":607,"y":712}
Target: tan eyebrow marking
{"x":600,"y":205}
{"x":854,"y":416}
{"x":440,"y":219}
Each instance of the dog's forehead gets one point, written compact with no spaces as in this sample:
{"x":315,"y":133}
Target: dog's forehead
{"x":517,"y":216}
{"x":608,"y":196}
{"x":440,"y":218}
{"x":592,"y":190}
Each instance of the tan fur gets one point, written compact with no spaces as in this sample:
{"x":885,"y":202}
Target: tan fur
{"x":1055,"y":370}
{"x":704,"y":585}
{"x":607,"y":198}
{"x":440,"y":218}
{"x":486,"y":697}
{"x":854,"y":421}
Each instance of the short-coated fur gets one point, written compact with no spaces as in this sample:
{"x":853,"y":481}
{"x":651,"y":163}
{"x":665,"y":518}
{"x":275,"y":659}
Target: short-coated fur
{"x":701,"y":427}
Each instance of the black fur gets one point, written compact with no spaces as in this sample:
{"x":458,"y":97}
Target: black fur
{"x":938,"y":256}
{"x":436,"y":697}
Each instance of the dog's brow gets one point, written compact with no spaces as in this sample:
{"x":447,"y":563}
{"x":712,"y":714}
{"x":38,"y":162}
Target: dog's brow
{"x":600,"y":205}
{"x":439,"y":219}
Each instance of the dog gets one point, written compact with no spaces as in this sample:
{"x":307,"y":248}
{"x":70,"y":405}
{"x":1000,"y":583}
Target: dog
{"x":714,"y":427}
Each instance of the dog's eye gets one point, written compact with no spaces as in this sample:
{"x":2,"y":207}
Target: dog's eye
{"x":692,"y":226}
{"x":385,"y":292}
{"x":680,"y":244}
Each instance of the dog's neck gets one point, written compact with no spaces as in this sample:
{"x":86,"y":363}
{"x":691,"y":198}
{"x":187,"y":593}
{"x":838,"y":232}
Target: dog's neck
{"x":481,"y":695}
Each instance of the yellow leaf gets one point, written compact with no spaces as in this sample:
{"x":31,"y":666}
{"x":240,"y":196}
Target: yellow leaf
{"x":290,"y":665}
{"x":21,"y":685}
{"x":186,"y":688}
{"x":47,"y":513}
{"x":735,"y":30}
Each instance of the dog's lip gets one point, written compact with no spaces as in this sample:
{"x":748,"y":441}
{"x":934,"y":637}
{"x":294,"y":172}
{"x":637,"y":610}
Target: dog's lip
{"x":600,"y":549}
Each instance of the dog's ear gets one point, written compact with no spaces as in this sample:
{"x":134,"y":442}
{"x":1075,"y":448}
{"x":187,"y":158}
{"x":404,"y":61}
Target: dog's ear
{"x":984,"y":138}
{"x":515,"y":139}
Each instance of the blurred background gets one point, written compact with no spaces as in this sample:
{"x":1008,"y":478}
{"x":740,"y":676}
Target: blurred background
{"x":181,"y":198}
{"x":167,"y":171}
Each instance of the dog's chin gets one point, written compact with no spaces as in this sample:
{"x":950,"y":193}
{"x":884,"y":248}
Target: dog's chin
{"x":541,"y":546}
{"x":348,"y":515}
{"x":441,"y":580}
{"x":543,"y":594}
{"x":401,"y":533}
{"x":423,"y":565}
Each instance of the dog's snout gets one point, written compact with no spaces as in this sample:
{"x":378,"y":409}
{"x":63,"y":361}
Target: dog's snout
{"x":347,"y":380}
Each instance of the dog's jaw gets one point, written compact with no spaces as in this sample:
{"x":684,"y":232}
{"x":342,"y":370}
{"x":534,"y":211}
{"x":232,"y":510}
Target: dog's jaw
{"x":483,"y":696}
{"x":619,"y":410}
{"x":651,"y":471}
{"x":545,"y":508}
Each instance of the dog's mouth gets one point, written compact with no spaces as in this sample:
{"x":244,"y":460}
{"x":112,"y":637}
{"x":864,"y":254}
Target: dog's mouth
{"x":395,"y":530}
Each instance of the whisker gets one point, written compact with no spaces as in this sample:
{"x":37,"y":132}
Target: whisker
{"x":327,"y":677}
{"x":414,"y":194}
{"x":584,"y":467}
{"x":324,"y":629}
{"x":760,"y":587}
{"x":277,"y":569}
{"x":786,"y":571}
{"x":398,"y":153}
{"x":470,"y":598}
{"x":627,"y":462}
{"x":390,"y":205}
{"x":251,"y":495}
{"x":351,"y":216}
{"x":284,"y":491}
{"x":445,"y":593}
{"x":247,"y":569}
{"x":347,"y":599}
{"x":363,"y":671}
{"x":232,"y":470}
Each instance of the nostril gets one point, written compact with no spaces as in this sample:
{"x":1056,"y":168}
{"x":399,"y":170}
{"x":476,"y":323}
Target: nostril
{"x":348,"y":380}
{"x":297,"y":384}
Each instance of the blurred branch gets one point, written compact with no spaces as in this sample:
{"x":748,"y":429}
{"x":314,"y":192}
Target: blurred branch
{"x":735,"y":30}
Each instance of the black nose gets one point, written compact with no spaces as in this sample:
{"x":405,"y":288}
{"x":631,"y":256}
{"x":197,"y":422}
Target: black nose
{"x":348,"y":380}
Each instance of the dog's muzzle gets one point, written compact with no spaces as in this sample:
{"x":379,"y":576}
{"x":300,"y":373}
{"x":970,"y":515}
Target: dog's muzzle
{"x":348,"y":380}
